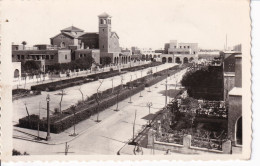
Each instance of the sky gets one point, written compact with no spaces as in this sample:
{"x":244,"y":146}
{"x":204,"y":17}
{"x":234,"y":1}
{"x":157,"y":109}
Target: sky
{"x":141,"y":23}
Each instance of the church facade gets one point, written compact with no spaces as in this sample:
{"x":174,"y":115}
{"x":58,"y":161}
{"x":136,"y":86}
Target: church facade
{"x":105,"y":40}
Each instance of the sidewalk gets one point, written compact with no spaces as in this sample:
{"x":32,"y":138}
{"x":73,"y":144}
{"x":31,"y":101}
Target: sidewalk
{"x":28,"y":85}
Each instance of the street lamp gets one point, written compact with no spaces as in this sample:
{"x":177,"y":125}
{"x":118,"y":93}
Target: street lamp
{"x":112,"y":84}
{"x":149,"y":105}
{"x":48,"y":118}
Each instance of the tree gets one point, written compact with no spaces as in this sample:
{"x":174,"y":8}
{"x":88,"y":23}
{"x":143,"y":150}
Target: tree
{"x":62,"y":93}
{"x":105,"y":61}
{"x":73,"y":108}
{"x":205,"y":83}
{"x":82,"y":95}
{"x":82,"y":63}
{"x":24,"y":44}
{"x":98,"y":98}
{"x":31,"y":67}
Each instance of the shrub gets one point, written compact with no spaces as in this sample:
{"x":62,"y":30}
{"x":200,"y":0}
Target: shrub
{"x":84,"y":110}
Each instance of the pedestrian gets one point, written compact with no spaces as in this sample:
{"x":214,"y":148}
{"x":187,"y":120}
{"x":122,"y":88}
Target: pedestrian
{"x":168,"y":152}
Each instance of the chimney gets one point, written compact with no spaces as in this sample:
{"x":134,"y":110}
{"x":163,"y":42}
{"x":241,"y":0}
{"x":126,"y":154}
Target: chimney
{"x":238,"y":71}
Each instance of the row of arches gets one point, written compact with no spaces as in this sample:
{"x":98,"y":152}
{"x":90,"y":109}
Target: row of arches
{"x":177,"y":60}
{"x":123,"y":60}
{"x":149,"y":57}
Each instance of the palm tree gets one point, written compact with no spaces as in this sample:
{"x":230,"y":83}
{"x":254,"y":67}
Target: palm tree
{"x":24,"y":43}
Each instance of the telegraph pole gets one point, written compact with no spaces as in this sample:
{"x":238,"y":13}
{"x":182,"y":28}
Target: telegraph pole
{"x":166,"y":90}
{"x":48,"y":118}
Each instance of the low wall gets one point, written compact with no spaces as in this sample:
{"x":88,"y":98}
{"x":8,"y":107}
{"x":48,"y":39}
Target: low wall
{"x":186,"y":147}
{"x":30,"y":79}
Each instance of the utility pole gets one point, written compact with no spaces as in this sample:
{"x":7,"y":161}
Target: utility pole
{"x":226,"y":43}
{"x":39,"y":122}
{"x":166,"y":92}
{"x":131,"y":87}
{"x":134,"y":128}
{"x":66,"y":148}
{"x":48,"y":118}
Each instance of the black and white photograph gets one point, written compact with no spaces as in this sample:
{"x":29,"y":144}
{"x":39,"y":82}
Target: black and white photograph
{"x":164,"y":78}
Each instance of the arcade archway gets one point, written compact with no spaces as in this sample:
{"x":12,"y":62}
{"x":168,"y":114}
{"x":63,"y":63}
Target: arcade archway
{"x":185,"y":60}
{"x":164,"y":60}
{"x":177,"y":60}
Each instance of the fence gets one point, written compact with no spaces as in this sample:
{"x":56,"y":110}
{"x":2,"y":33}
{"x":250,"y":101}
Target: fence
{"x":188,"y":144}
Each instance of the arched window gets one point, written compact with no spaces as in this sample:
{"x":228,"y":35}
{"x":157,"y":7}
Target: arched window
{"x":62,"y":44}
{"x":16,"y":73}
{"x":101,"y":21}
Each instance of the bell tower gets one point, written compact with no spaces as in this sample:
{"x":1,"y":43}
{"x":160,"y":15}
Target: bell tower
{"x":104,"y":32}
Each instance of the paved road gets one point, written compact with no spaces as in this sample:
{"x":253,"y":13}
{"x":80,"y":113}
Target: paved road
{"x":115,"y":129}
{"x":72,"y":94}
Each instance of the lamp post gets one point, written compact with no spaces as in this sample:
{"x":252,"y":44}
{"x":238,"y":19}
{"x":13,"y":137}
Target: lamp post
{"x":149,"y":105}
{"x":48,"y":118}
{"x":112,"y":85}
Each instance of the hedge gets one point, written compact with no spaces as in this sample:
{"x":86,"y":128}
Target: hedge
{"x":64,"y":121}
{"x":52,"y":86}
{"x":135,"y":68}
{"x":85,"y":109}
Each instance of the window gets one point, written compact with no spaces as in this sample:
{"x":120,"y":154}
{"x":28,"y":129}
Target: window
{"x":85,"y":55}
{"x":101,"y":21}
{"x":188,"y":46}
{"x":194,"y":52}
{"x":66,"y":57}
{"x":103,"y":46}
{"x":52,"y":56}
{"x":18,"y":57}
{"x":103,"y":30}
{"x":47,"y":57}
{"x":180,"y":46}
{"x":105,"y":21}
{"x":174,"y":46}
{"x":184,"y":46}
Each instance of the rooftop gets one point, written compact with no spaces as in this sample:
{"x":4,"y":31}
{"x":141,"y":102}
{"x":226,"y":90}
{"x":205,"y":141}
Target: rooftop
{"x":104,"y":15}
{"x":72,"y":29}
